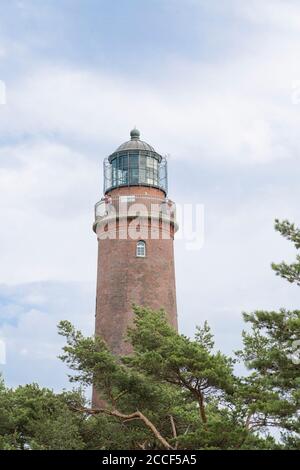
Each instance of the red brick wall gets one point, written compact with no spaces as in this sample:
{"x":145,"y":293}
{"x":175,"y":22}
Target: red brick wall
{"x":123,"y":279}
{"x":137,"y":190}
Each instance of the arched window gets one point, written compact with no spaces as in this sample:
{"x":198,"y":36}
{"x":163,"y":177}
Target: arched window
{"x":141,"y":249}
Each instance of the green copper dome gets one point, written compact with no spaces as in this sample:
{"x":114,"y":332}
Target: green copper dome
{"x":135,"y":134}
{"x":135,"y":143}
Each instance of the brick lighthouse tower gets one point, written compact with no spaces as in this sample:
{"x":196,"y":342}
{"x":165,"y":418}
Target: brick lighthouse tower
{"x":135,"y":225}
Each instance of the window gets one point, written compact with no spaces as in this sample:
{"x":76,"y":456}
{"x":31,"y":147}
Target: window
{"x":149,"y":175}
{"x":152,"y":171}
{"x":130,"y":198}
{"x":133,"y":160}
{"x":135,"y":168}
{"x":141,"y":249}
{"x":120,"y":170}
{"x":134,"y":176}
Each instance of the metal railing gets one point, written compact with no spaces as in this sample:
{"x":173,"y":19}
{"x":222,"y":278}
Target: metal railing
{"x":135,"y":206}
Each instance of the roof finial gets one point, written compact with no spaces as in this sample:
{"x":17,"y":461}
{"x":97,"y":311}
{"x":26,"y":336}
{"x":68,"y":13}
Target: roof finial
{"x":135,"y":134}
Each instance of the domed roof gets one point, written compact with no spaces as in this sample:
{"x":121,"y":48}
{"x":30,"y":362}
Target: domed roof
{"x":135,"y":143}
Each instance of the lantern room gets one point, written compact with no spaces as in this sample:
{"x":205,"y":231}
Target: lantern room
{"x":135,"y":163}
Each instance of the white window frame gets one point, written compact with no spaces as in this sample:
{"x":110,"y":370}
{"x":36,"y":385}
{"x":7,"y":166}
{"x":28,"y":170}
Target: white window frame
{"x":130,"y":198}
{"x":141,"y":249}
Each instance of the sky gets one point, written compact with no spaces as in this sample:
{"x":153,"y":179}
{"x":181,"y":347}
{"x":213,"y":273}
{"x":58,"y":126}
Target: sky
{"x":213,"y":85}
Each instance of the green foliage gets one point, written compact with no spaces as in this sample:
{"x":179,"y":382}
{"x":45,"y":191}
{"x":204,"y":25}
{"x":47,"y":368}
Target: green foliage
{"x":272,"y":390}
{"x":176,"y":360}
{"x":187,"y":391}
{"x":291,"y":272}
{"x":271,"y":351}
{"x":35,"y":418}
{"x":171,"y":392}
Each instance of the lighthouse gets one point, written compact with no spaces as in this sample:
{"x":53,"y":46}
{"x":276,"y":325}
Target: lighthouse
{"x":135,"y":223}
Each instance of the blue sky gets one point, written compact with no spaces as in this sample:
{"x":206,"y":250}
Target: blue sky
{"x":212,"y":84}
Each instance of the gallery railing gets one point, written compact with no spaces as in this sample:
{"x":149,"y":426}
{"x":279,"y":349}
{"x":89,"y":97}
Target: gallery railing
{"x":135,"y":206}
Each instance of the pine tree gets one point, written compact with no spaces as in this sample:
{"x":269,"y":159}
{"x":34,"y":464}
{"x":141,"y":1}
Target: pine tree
{"x":291,"y":272}
{"x":171,"y":392}
{"x":272,"y":351}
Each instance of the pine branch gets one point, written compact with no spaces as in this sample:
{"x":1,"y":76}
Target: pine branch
{"x":174,"y":430}
{"x":136,"y":415}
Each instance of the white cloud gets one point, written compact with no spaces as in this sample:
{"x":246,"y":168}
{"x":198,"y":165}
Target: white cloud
{"x":230,"y":113}
{"x":47,"y":193}
{"x":277,"y":14}
{"x":32,"y":343}
{"x":237,"y":111}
